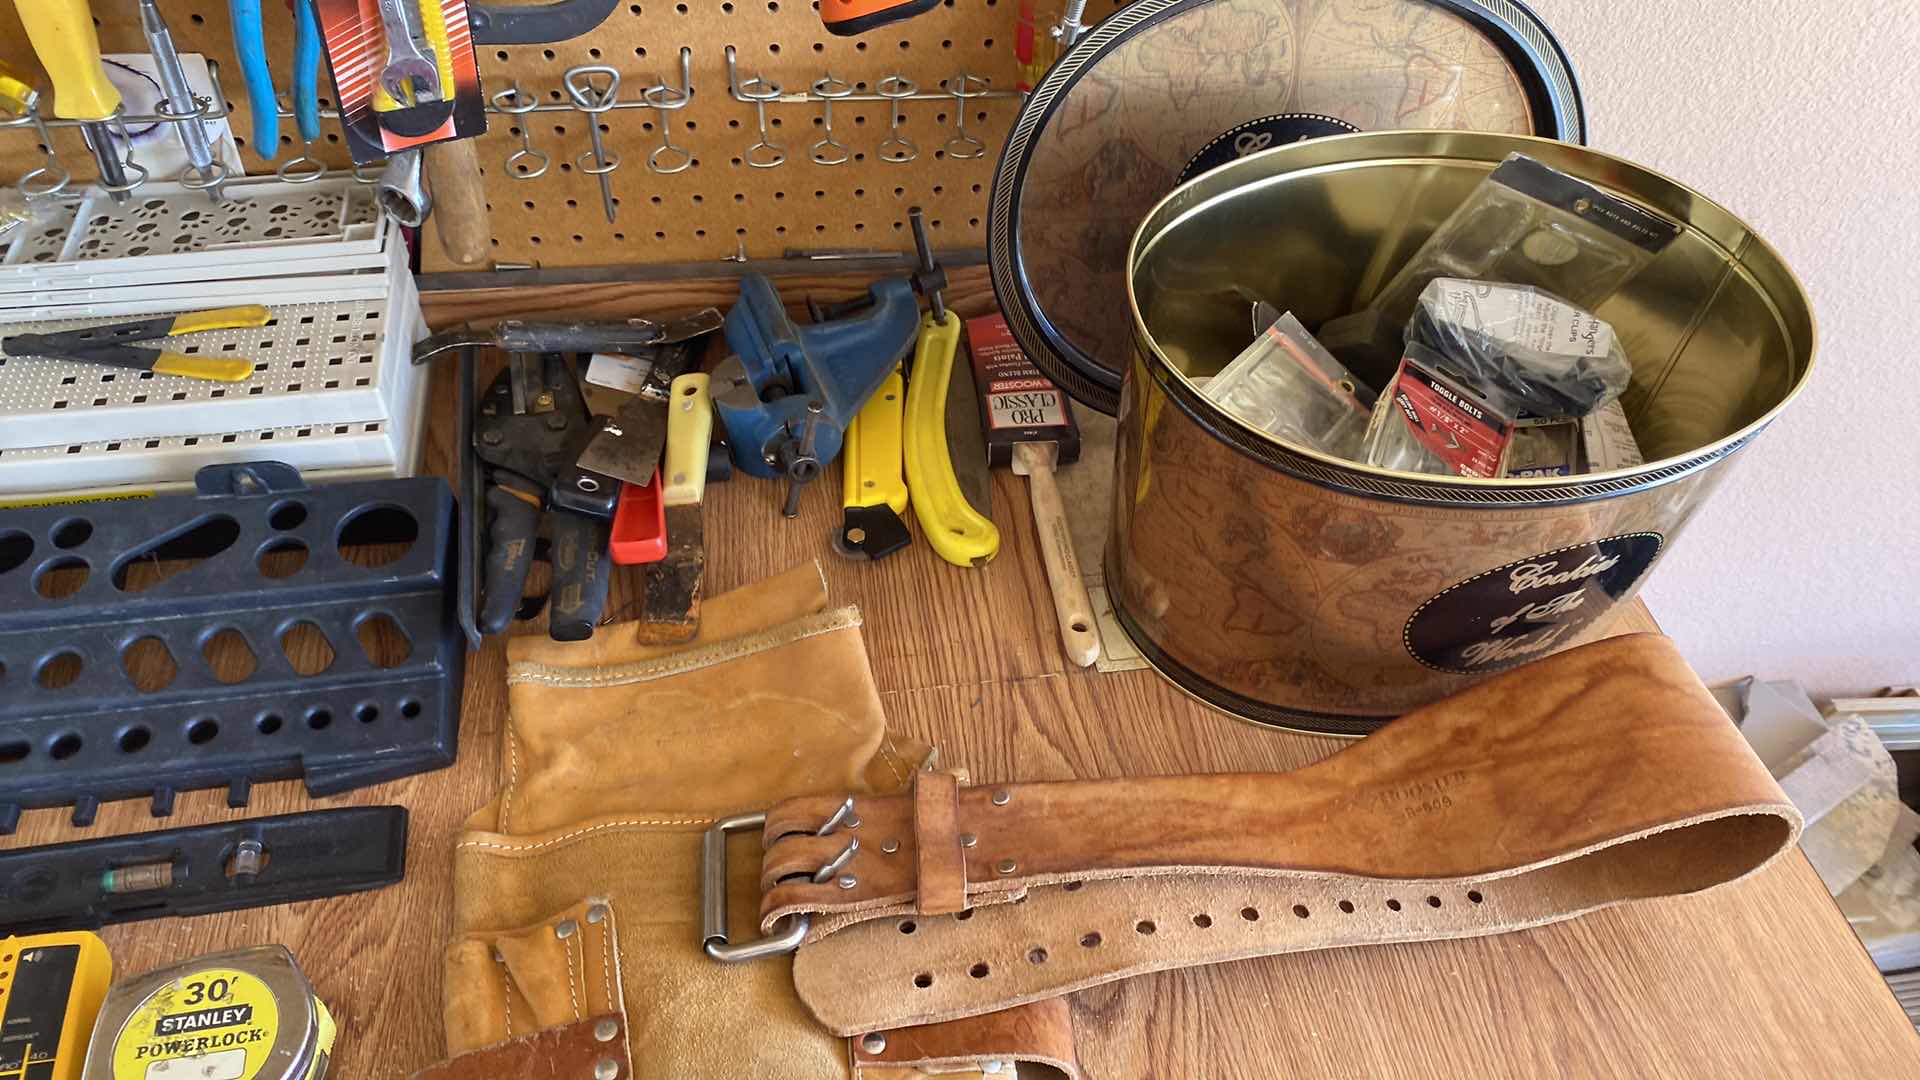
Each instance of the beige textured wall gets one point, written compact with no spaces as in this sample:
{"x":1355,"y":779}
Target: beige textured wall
{"x":1804,"y":118}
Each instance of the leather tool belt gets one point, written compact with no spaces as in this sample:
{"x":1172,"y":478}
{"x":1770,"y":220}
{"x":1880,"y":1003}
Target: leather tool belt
{"x":1602,"y":775}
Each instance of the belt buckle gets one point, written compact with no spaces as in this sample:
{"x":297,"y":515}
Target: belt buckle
{"x":789,"y":930}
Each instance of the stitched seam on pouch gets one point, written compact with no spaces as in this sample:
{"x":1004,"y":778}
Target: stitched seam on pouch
{"x":891,"y":756}
{"x":506,"y":986}
{"x":826,"y":622}
{"x":573,"y":989}
{"x":513,"y":775}
{"x":578,"y":833}
{"x":606,"y":969}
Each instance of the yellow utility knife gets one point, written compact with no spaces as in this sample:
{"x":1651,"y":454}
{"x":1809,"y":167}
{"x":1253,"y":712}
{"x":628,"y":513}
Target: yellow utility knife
{"x":873,"y":496}
{"x":115,"y":345}
{"x":958,"y":533}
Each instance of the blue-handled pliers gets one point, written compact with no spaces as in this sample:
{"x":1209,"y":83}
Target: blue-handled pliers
{"x":306,"y":70}
{"x":249,"y":43}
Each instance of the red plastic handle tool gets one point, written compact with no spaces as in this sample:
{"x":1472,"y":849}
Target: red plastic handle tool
{"x":640,"y":524}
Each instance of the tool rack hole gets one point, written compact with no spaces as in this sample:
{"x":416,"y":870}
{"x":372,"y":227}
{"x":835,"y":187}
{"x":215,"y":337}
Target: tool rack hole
{"x":149,"y":664}
{"x":14,"y":751}
{"x":409,"y":708}
{"x":268,"y":724}
{"x":64,"y":746}
{"x":135,"y":739}
{"x":15,"y":549}
{"x":203,"y":731}
{"x":374,"y":536}
{"x":72,"y":532}
{"x":282,"y":557}
{"x":385,"y":644}
{"x":62,"y":577}
{"x":229,"y":656}
{"x":367,"y":713}
{"x":307,"y":648}
{"x":320,"y":719}
{"x":57,"y":672}
{"x":175,"y":552}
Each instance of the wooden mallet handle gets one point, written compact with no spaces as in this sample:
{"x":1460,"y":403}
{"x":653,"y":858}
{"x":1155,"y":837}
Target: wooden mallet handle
{"x":459,"y":202}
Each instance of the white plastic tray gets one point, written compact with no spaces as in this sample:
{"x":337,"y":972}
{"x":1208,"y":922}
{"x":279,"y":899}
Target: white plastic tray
{"x":264,"y":228}
{"x":389,"y":445}
{"x":316,"y":364}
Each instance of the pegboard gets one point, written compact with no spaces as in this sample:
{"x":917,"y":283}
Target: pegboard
{"x":720,"y":205}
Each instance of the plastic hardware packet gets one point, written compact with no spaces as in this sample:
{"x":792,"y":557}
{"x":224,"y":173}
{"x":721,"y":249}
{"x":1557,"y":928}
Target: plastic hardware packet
{"x":1525,"y":223}
{"x":1544,"y":450}
{"x":1286,"y":385}
{"x":1553,"y":360}
{"x":1429,"y":422}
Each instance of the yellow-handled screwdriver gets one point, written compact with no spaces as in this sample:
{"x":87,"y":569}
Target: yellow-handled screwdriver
{"x":63,"y":37}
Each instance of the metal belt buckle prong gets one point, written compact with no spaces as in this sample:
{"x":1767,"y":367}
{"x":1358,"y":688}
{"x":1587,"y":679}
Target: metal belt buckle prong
{"x":789,"y":930}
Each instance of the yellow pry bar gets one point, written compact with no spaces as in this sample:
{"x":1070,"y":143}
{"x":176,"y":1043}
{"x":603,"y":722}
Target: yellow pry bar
{"x":870,"y":459}
{"x":959,"y":534}
{"x":689,"y":438}
{"x":226,"y":318}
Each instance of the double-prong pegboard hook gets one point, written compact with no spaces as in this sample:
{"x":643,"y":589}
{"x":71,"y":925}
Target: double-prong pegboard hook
{"x":830,"y":150}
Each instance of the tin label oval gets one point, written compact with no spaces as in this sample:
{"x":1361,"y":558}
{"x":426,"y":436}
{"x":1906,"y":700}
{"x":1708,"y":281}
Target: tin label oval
{"x":1253,"y":136}
{"x":1527,"y":608}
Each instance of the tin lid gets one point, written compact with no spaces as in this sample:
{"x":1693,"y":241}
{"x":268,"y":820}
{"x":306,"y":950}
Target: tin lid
{"x":1164,"y":90}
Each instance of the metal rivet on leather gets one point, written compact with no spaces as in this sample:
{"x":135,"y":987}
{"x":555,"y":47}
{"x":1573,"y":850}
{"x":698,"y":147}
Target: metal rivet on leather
{"x":848,"y":881}
{"x":890,"y":846}
{"x":597,"y":914}
{"x":967,"y":839}
{"x":1005,"y":866}
{"x":605,"y":1030}
{"x":606,"y":1069}
{"x":1002,"y":797}
{"x":875,"y":1043}
{"x":566,"y":929}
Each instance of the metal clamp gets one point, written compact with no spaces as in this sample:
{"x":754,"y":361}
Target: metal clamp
{"x":789,"y":930}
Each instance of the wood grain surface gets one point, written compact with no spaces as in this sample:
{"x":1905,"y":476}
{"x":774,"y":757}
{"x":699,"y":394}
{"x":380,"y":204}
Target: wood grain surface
{"x":1759,"y":979}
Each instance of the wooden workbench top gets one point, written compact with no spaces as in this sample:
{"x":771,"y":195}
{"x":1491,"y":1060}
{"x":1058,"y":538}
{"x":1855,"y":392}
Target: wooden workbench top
{"x":1762,"y":978}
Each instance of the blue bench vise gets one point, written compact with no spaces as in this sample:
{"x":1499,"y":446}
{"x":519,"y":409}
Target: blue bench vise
{"x":788,"y":392}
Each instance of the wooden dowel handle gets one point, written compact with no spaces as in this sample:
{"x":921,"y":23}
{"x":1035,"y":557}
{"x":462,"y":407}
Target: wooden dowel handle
{"x":459,"y":202}
{"x":1071,"y":604}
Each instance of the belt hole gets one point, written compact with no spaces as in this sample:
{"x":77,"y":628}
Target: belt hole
{"x":908,"y":926}
{"x":1301,"y":910}
{"x":1393,"y":905}
{"x":1144,"y":926}
{"x":1250,"y":914}
{"x":1090,"y":940}
{"x":963,"y":916}
{"x":1346,"y":907}
{"x":1203,"y":920}
{"x":923,"y":980}
{"x":1073,"y":886}
{"x":1036,"y":956}
{"x":1474,"y":895}
{"x":980,"y":971}
{"x":1433,"y":901}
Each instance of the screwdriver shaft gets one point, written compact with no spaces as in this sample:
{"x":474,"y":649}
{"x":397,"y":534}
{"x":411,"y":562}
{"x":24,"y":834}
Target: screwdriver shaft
{"x":113,"y":174}
{"x":600,"y":161}
{"x":173,"y":79}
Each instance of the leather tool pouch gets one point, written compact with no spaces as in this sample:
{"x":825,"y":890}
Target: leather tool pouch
{"x":577,"y":890}
{"x":1595,"y":777}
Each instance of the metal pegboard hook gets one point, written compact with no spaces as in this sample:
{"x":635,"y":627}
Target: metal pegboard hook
{"x":518,"y":163}
{"x":137,"y":173}
{"x":669,"y":157}
{"x":830,"y":150}
{"x":51,"y":178}
{"x":765,"y":153}
{"x":302,"y":169}
{"x":964,"y":88}
{"x":896,"y":147}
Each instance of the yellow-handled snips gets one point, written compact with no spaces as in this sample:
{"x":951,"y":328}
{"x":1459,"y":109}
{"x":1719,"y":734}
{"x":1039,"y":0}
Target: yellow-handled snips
{"x":114,"y":346}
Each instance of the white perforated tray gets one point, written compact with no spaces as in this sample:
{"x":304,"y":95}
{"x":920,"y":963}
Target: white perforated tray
{"x":314,"y":364}
{"x":43,"y":304}
{"x":385,"y":446}
{"x":169,"y":233}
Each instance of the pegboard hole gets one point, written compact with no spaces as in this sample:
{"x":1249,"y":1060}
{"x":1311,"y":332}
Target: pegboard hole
{"x":269,"y":724}
{"x":203,"y":731}
{"x":175,"y":553}
{"x":149,"y":665}
{"x":320,"y":719}
{"x":15,"y":751}
{"x":377,"y":535}
{"x":62,"y":577}
{"x":15,"y":549}
{"x":282,"y":557}
{"x":383,"y":642}
{"x":307,"y":649}
{"x":409,"y":709}
{"x":288,"y":515}
{"x":64,"y":746}
{"x":72,"y":532}
{"x":135,"y":739}
{"x":229,"y":656}
{"x":367,"y":713}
